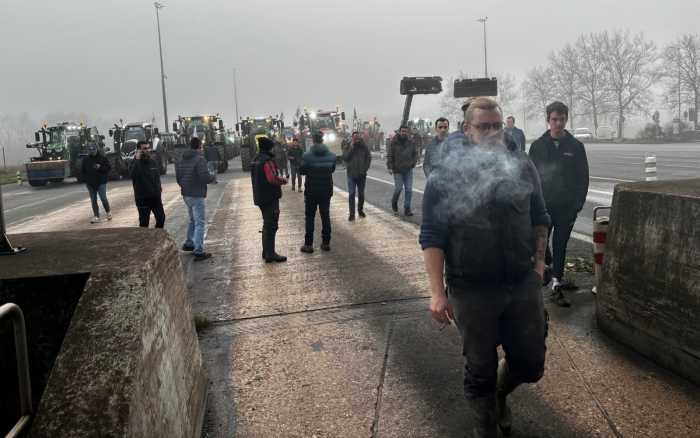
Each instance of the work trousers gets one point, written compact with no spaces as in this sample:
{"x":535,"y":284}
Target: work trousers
{"x":559,"y":233}
{"x":147,"y":205}
{"x":271,"y":215}
{"x":511,"y":315}
{"x":323,"y":204}
{"x":356,"y":185}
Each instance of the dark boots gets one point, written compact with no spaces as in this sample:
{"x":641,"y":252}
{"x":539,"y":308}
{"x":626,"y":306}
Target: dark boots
{"x":504,"y":386}
{"x":269,"y":254}
{"x":351,"y":201}
{"x":482,"y":413}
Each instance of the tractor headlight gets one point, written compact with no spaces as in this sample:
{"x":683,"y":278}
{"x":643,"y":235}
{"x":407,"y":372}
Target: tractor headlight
{"x":330,"y":136}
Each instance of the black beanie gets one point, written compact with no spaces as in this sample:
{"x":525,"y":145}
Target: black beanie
{"x":265,"y":144}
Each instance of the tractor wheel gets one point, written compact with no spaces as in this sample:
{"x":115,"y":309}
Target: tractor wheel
{"x":245,"y":159}
{"x":37,"y":182}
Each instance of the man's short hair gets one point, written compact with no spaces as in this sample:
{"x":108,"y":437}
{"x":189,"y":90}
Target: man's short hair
{"x":511,"y":117}
{"x":403,"y":127}
{"x":355,"y":132}
{"x":466,"y":103}
{"x":265,"y":144}
{"x":195,"y":143}
{"x":141,"y":143}
{"x":442,"y":119}
{"x":557,"y":107}
{"x":317,"y":137}
{"x":482,"y":103}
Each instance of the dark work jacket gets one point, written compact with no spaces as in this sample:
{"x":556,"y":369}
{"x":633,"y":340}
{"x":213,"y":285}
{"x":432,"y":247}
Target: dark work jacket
{"x":95,"y":177}
{"x":518,"y":136}
{"x":401,"y":156}
{"x":295,"y":154}
{"x":318,"y":164}
{"x":563,"y":171}
{"x":493,"y":242}
{"x":145,"y":177}
{"x":211,"y":153}
{"x":193,"y":175}
{"x":264,"y":193}
{"x":357,"y":159}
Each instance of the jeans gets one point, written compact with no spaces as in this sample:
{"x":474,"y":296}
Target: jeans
{"x":294,"y":170}
{"x":324,"y":205}
{"x":148,"y":205}
{"x":213,"y":167}
{"x":403,"y":181}
{"x":195,"y":230}
{"x":508,"y":314}
{"x":559,"y":231}
{"x":356,"y":185}
{"x":271,"y":216}
{"x":102,"y":192}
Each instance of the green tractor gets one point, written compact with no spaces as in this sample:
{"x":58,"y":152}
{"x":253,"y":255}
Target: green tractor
{"x":210,"y":129}
{"x":61,"y":149}
{"x":126,"y":137}
{"x":250,"y":129}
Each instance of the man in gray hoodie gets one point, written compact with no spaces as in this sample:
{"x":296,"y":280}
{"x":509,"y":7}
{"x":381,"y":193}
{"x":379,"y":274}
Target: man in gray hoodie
{"x":193,"y":176}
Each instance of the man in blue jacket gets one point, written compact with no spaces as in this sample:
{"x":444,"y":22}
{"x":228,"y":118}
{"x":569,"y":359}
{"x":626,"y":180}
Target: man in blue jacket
{"x":193,"y":176}
{"x":485,"y":227}
{"x":318,"y":165}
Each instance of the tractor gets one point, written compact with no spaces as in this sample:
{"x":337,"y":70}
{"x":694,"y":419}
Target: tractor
{"x":250,"y":129}
{"x":126,"y":137}
{"x":210,"y":129}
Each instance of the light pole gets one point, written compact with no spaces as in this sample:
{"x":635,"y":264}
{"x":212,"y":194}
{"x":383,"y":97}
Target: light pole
{"x":483,"y":21}
{"x":159,"y":6}
{"x":235,"y":94}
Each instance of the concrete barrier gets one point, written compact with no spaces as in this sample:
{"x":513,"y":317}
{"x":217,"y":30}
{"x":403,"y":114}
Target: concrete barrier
{"x":649,"y":295}
{"x":129,"y":364}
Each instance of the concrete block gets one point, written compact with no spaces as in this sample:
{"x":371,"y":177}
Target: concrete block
{"x":129,"y":364}
{"x":649,"y":296}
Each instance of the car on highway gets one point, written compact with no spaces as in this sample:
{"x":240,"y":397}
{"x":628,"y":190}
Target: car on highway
{"x":583,"y":134}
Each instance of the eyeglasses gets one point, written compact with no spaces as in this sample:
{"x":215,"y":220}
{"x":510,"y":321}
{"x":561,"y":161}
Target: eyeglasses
{"x":483,"y":127}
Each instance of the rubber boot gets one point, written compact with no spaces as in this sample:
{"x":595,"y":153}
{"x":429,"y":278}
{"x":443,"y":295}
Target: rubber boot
{"x":482,"y":412}
{"x":264,"y":244}
{"x":272,"y":256}
{"x":504,"y":386}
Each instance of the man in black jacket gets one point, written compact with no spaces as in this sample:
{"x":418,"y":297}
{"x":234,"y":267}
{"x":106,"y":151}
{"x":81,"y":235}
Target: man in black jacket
{"x":94,"y":170}
{"x":357,"y":159}
{"x":402,"y":156}
{"x":485,"y":227}
{"x":145,"y":177}
{"x":267,"y":192}
{"x":193,"y":176}
{"x":318,"y":164}
{"x":563,"y":167}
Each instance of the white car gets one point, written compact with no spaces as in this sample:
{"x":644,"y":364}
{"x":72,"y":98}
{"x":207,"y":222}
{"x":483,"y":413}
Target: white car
{"x":583,"y":134}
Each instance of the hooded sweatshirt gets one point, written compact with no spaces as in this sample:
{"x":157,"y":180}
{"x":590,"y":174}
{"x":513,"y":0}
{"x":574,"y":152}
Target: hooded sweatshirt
{"x":318,"y":164}
{"x":192,"y":174}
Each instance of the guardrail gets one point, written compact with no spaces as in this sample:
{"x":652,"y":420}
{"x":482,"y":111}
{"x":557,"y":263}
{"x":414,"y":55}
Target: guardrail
{"x":14,"y":313}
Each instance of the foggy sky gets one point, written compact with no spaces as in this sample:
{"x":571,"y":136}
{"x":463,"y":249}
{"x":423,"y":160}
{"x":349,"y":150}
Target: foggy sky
{"x":101,"y":57}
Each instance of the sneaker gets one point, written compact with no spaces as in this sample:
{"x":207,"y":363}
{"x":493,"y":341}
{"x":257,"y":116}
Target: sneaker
{"x":326,"y":246}
{"x":95,"y":220}
{"x":187,"y":248}
{"x":276,"y":258}
{"x":307,"y":249}
{"x":109,"y":216}
{"x":362,"y":213}
{"x":408,"y":212}
{"x":198,"y":257}
{"x":558,"y":297}
{"x":351,"y":217}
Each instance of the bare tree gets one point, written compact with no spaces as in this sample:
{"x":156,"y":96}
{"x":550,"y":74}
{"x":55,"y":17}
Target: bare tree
{"x":632,"y":68}
{"x":450,"y":107}
{"x":592,"y":90}
{"x":507,"y":93}
{"x":15,"y":132}
{"x":564,"y":67}
{"x":683,"y":65}
{"x":538,"y":93}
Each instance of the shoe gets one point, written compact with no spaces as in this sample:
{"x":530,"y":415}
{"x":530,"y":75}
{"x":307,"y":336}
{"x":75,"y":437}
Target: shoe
{"x":198,"y":257}
{"x":482,"y":413}
{"x":187,"y":248}
{"x":504,"y":417}
{"x":351,"y":217}
{"x":326,"y":246}
{"x":109,"y":216}
{"x":558,"y":297}
{"x":293,"y":188}
{"x":547,"y":277}
{"x":408,"y":212}
{"x":307,"y":249}
{"x":275,"y":258}
{"x":395,"y":207}
{"x":95,"y":220}
{"x":361,"y":213}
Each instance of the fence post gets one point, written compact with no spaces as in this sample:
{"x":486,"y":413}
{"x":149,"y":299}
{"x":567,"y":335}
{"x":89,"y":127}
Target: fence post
{"x":650,"y":166}
{"x":600,"y":236}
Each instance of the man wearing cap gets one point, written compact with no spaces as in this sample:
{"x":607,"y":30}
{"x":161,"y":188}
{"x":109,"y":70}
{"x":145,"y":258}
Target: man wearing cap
{"x":95,"y":171}
{"x":267,"y":192}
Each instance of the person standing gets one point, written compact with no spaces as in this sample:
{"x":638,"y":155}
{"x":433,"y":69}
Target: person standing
{"x":485,"y":226}
{"x":94,"y":170}
{"x":318,"y":165}
{"x":279,"y":152}
{"x":145,"y":177}
{"x":442,"y":127}
{"x":193,"y":176}
{"x":267,"y":192}
{"x":295,"y":154}
{"x":402,"y":156}
{"x":213,"y":157}
{"x":357,"y":159}
{"x":515,"y":133}
{"x":563,"y":167}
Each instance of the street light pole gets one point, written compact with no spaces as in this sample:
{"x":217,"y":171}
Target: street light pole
{"x":235,"y":94}
{"x":159,"y":6}
{"x":483,"y":21}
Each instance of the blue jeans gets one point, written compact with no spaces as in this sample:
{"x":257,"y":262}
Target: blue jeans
{"x":356,"y":185}
{"x":195,"y":230}
{"x":213,"y":167}
{"x":102,"y":191}
{"x":403,"y":181}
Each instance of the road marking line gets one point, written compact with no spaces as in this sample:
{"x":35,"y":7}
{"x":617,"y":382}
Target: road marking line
{"x":601,"y":192}
{"x":391,"y":183}
{"x":604,"y":178}
{"x":33,"y":204}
